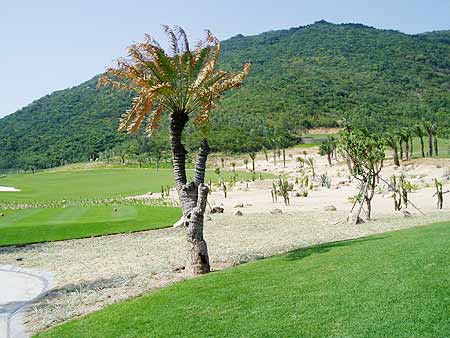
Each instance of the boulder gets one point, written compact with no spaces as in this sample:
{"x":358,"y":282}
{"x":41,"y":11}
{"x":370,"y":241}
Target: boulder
{"x":238,"y":213}
{"x":217,"y":210}
{"x":276,"y":211}
{"x":239,"y":205}
{"x":329,"y":208}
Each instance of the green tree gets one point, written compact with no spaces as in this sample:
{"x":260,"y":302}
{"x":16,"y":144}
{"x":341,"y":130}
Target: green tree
{"x":251,"y":146}
{"x":157,"y":148}
{"x":122,"y":150}
{"x":327,"y":148}
{"x":186,"y":85}
{"x":365,"y":154}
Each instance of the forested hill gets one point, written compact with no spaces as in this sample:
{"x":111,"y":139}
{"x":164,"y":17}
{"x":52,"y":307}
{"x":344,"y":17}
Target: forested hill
{"x":317,"y":75}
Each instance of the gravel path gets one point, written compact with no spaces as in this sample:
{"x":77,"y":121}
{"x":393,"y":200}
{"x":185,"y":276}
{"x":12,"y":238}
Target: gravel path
{"x":91,"y":273}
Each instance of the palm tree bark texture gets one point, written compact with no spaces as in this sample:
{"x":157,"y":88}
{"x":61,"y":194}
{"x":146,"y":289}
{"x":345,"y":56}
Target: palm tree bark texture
{"x":193,"y":195}
{"x":186,"y":85}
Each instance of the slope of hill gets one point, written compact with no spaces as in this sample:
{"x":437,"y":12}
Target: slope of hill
{"x":439,"y":36}
{"x":303,"y":77}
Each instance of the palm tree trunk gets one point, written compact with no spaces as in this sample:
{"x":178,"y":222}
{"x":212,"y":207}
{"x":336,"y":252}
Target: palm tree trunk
{"x":193,"y":195}
{"x":396,"y":159}
{"x":422,"y":145}
{"x":430,"y":144}
{"x":411,"y":150}
{"x":329,"y":158}
{"x":407,"y":150}
{"x":284,"y":158}
{"x":436,"y":151}
{"x":401,"y":150}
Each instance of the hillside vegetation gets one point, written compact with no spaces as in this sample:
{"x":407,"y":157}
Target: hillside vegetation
{"x":318,"y":75}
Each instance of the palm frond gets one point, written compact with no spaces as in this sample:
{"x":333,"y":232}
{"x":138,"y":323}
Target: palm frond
{"x":154,"y":120}
{"x":181,"y":36}
{"x":180,"y":80}
{"x":172,"y":40}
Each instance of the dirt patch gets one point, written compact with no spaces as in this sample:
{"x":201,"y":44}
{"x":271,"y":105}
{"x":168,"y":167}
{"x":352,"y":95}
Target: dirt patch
{"x":324,"y":131}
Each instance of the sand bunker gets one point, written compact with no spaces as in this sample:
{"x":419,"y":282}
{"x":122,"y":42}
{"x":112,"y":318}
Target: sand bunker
{"x":8,"y":189}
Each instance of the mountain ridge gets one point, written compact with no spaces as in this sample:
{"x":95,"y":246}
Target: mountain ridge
{"x":302,"y":77}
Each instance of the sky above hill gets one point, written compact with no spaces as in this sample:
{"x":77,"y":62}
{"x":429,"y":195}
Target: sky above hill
{"x":49,"y":45}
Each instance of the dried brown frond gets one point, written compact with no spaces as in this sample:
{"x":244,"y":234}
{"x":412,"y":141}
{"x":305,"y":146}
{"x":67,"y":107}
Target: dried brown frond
{"x":154,"y":121}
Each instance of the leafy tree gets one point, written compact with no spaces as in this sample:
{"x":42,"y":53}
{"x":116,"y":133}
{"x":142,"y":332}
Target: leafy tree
{"x":251,"y":146}
{"x":123,"y":150}
{"x":157,"y":148}
{"x":365,"y":154}
{"x":266,"y":156}
{"x":186,"y":85}
{"x":327,"y":148}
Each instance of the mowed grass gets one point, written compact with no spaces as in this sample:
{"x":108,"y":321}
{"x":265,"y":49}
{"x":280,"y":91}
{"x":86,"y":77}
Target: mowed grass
{"x":393,"y":285}
{"x":39,"y":225}
{"x":95,"y":183}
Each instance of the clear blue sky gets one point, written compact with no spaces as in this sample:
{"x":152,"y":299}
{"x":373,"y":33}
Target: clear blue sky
{"x":47,"y":45}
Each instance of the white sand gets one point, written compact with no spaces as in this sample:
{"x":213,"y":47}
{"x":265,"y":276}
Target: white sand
{"x":8,"y":189}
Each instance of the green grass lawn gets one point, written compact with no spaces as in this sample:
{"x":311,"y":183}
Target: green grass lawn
{"x":392,"y":285}
{"x":39,"y":225}
{"x":95,"y":183}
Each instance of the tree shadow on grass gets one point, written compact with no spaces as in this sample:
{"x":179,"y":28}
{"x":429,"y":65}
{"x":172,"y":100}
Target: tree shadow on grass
{"x":327,"y":247}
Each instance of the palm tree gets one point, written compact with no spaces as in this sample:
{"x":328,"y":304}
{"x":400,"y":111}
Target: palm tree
{"x":400,"y":143}
{"x":430,"y":128}
{"x":411,"y":143}
{"x":186,"y":85}
{"x":392,"y":141}
{"x":435,"y":131}
{"x":419,"y":132}
{"x":405,"y":136}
